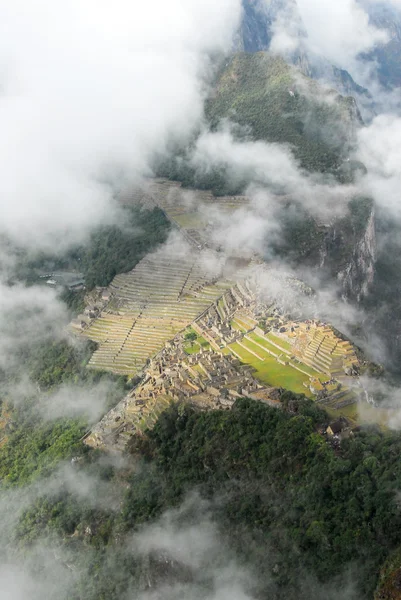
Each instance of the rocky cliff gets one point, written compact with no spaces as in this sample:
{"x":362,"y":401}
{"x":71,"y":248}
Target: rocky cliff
{"x":349,"y":250}
{"x":387,"y":57}
{"x":343,"y":251}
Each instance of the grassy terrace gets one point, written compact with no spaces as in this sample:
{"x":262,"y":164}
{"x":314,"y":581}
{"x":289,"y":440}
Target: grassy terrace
{"x":194,"y":346}
{"x":280,"y":342}
{"x":264,"y":342}
{"x":239,"y":325}
{"x":155,"y":303}
{"x":269,"y":371}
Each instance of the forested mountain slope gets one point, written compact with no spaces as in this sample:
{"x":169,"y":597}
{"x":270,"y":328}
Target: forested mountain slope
{"x":298,"y":514}
{"x":280,"y":105}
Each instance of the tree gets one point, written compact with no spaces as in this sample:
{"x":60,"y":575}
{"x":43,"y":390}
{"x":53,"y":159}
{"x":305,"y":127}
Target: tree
{"x":191,"y":337}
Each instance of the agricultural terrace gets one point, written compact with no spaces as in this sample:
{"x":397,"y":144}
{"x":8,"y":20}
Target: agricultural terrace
{"x":149,"y":306}
{"x":192,"y":211}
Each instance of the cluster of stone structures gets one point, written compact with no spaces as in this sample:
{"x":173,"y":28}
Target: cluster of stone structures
{"x":211,"y":372}
{"x":242,"y":324}
{"x":207,"y":379}
{"x":243,"y":331}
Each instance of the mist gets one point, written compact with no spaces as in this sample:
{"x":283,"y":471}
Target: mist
{"x":88,"y":93}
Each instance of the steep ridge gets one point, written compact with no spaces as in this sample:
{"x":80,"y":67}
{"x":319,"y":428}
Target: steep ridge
{"x":258,"y":27}
{"x":279,"y":104}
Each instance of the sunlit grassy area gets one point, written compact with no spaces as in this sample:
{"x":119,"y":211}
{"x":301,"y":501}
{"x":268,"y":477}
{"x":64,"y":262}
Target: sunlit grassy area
{"x":270,"y":372}
{"x":278,"y":340}
{"x":194,"y":346}
{"x":264,"y":342}
{"x":239,"y":325}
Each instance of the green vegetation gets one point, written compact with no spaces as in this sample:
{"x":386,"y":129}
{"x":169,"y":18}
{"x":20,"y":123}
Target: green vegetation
{"x":54,"y":363}
{"x":279,"y":341}
{"x":261,"y":91}
{"x":269,"y":371}
{"x":191,"y":336}
{"x":75,"y":300}
{"x":295,"y":511}
{"x":269,"y":101}
{"x":194,"y":342}
{"x":111,"y":249}
{"x":301,"y":239}
{"x":326,"y":510}
{"x":32,"y":446}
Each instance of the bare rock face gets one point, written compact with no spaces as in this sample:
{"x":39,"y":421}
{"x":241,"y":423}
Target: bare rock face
{"x":387,"y":16}
{"x":358,"y":275}
{"x":348,"y":252}
{"x":255,"y":32}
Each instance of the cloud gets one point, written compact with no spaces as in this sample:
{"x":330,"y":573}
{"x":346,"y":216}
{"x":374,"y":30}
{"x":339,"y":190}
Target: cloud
{"x":288,"y":30}
{"x":188,"y":538}
{"x":28,"y":315}
{"x":380,"y":4}
{"x":90,"y":402}
{"x":270,"y":166}
{"x":379,"y":148}
{"x":339,"y":30}
{"x":48,"y":582}
{"x":319,"y":35}
{"x":49,"y":566}
{"x":88,"y":92}
{"x":386,"y":400}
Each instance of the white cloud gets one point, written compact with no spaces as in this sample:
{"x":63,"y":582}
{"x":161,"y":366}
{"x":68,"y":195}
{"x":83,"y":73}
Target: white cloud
{"x":87,"y":91}
{"x":379,"y":148}
{"x":272,"y":166}
{"x":27,"y":315}
{"x":338,"y":30}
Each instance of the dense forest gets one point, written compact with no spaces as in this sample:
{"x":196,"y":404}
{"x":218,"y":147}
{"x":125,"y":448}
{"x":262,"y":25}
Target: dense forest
{"x":300,"y":515}
{"x":32,"y":442}
{"x":110,"y":249}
